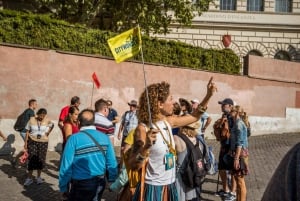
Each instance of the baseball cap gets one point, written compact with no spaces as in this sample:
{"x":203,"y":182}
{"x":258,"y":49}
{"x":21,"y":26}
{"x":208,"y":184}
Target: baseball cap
{"x":195,"y":101}
{"x":226,"y":101}
{"x":132,"y":103}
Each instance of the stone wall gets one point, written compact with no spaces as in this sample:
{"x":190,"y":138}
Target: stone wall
{"x":54,"y":77}
{"x":265,"y":68}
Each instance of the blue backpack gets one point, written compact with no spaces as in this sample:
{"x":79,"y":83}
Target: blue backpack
{"x":210,"y":161}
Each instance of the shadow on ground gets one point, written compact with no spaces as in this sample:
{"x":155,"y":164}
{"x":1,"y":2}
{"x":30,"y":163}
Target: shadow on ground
{"x":35,"y":192}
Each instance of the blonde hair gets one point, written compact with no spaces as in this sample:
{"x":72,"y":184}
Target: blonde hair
{"x":191,"y":132}
{"x":243,"y":115}
{"x":236,"y":108}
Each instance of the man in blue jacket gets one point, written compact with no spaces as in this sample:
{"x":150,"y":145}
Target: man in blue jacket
{"x":84,"y":165}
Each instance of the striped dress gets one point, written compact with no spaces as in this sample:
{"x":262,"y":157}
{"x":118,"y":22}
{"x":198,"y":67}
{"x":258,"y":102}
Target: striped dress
{"x":159,"y":180}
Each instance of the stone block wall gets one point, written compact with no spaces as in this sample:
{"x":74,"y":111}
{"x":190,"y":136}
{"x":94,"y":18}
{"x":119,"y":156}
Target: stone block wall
{"x":265,"y":32}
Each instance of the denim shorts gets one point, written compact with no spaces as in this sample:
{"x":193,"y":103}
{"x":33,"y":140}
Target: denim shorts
{"x":23,"y":135}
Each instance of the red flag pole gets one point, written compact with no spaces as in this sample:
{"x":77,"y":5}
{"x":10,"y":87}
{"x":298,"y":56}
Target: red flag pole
{"x":92,"y":94}
{"x":95,"y":82}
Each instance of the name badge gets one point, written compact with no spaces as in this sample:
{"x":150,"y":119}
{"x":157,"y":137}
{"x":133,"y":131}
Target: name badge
{"x":169,"y":161}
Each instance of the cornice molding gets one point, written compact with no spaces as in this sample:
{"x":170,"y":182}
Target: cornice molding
{"x":286,"y":22}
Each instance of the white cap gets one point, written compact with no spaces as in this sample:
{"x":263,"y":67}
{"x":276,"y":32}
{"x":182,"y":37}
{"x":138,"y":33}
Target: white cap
{"x":195,"y":101}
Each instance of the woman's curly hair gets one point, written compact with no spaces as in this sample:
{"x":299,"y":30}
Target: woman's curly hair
{"x":157,"y":92}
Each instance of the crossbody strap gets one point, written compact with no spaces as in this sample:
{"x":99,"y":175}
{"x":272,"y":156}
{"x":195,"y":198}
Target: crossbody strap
{"x":188,"y":142}
{"x":97,"y":144}
{"x":203,"y":143}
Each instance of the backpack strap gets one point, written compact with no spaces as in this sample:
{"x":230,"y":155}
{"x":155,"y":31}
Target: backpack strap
{"x":124,"y":117}
{"x":188,"y":142}
{"x":200,"y":138}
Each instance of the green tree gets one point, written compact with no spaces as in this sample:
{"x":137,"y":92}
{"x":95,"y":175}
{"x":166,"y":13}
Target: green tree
{"x":154,"y":16}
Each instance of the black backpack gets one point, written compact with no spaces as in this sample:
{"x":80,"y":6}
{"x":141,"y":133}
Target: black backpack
{"x":21,"y":121}
{"x":193,"y":168}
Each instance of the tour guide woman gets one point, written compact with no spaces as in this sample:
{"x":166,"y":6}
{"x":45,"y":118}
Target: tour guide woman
{"x":157,"y":145}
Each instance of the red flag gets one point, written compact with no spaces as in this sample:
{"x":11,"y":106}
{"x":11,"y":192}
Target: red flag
{"x":96,"y":81}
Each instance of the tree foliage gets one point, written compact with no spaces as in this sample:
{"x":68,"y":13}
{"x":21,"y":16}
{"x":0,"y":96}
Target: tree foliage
{"x":40,"y":31}
{"x":153,"y":16}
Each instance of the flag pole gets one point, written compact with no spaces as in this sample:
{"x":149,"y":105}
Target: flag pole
{"x":92,"y":94}
{"x":145,"y":82}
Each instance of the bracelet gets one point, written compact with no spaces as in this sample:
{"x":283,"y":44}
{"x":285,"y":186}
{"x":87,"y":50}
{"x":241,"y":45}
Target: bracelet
{"x":236,"y":159}
{"x":201,"y":109}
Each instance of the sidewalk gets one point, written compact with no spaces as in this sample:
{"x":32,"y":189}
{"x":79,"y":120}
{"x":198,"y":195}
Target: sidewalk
{"x":265,"y":154}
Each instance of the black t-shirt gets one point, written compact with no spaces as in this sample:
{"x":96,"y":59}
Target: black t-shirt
{"x":28,"y":114}
{"x":112,"y":115}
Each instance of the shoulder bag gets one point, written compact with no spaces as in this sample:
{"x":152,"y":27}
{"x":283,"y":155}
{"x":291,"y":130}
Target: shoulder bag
{"x":97,"y":144}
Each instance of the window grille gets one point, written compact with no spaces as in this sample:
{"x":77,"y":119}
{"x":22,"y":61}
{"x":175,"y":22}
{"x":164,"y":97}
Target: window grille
{"x":282,"y":55}
{"x":227,"y":4}
{"x":283,"y":6}
{"x":255,"y":5}
{"x":255,"y":53}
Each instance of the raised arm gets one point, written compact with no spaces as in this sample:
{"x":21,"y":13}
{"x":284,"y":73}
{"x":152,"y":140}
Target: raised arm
{"x":178,"y":121}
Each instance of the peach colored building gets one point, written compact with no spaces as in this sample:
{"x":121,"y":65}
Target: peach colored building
{"x":270,"y":93}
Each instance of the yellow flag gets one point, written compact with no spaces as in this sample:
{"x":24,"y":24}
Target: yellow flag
{"x":125,"y":45}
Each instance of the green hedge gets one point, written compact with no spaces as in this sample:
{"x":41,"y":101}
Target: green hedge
{"x":44,"y":32}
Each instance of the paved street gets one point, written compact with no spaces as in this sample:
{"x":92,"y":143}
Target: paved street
{"x":265,"y":154}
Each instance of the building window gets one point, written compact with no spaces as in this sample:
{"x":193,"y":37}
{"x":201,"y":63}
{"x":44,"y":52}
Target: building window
{"x":255,"y":53}
{"x":283,"y":6}
{"x":227,"y":4}
{"x":255,"y":5}
{"x":282,"y":55}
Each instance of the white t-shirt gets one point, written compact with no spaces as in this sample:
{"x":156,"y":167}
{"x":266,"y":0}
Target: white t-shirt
{"x":156,"y":173}
{"x":202,"y":122}
{"x":37,"y":129}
